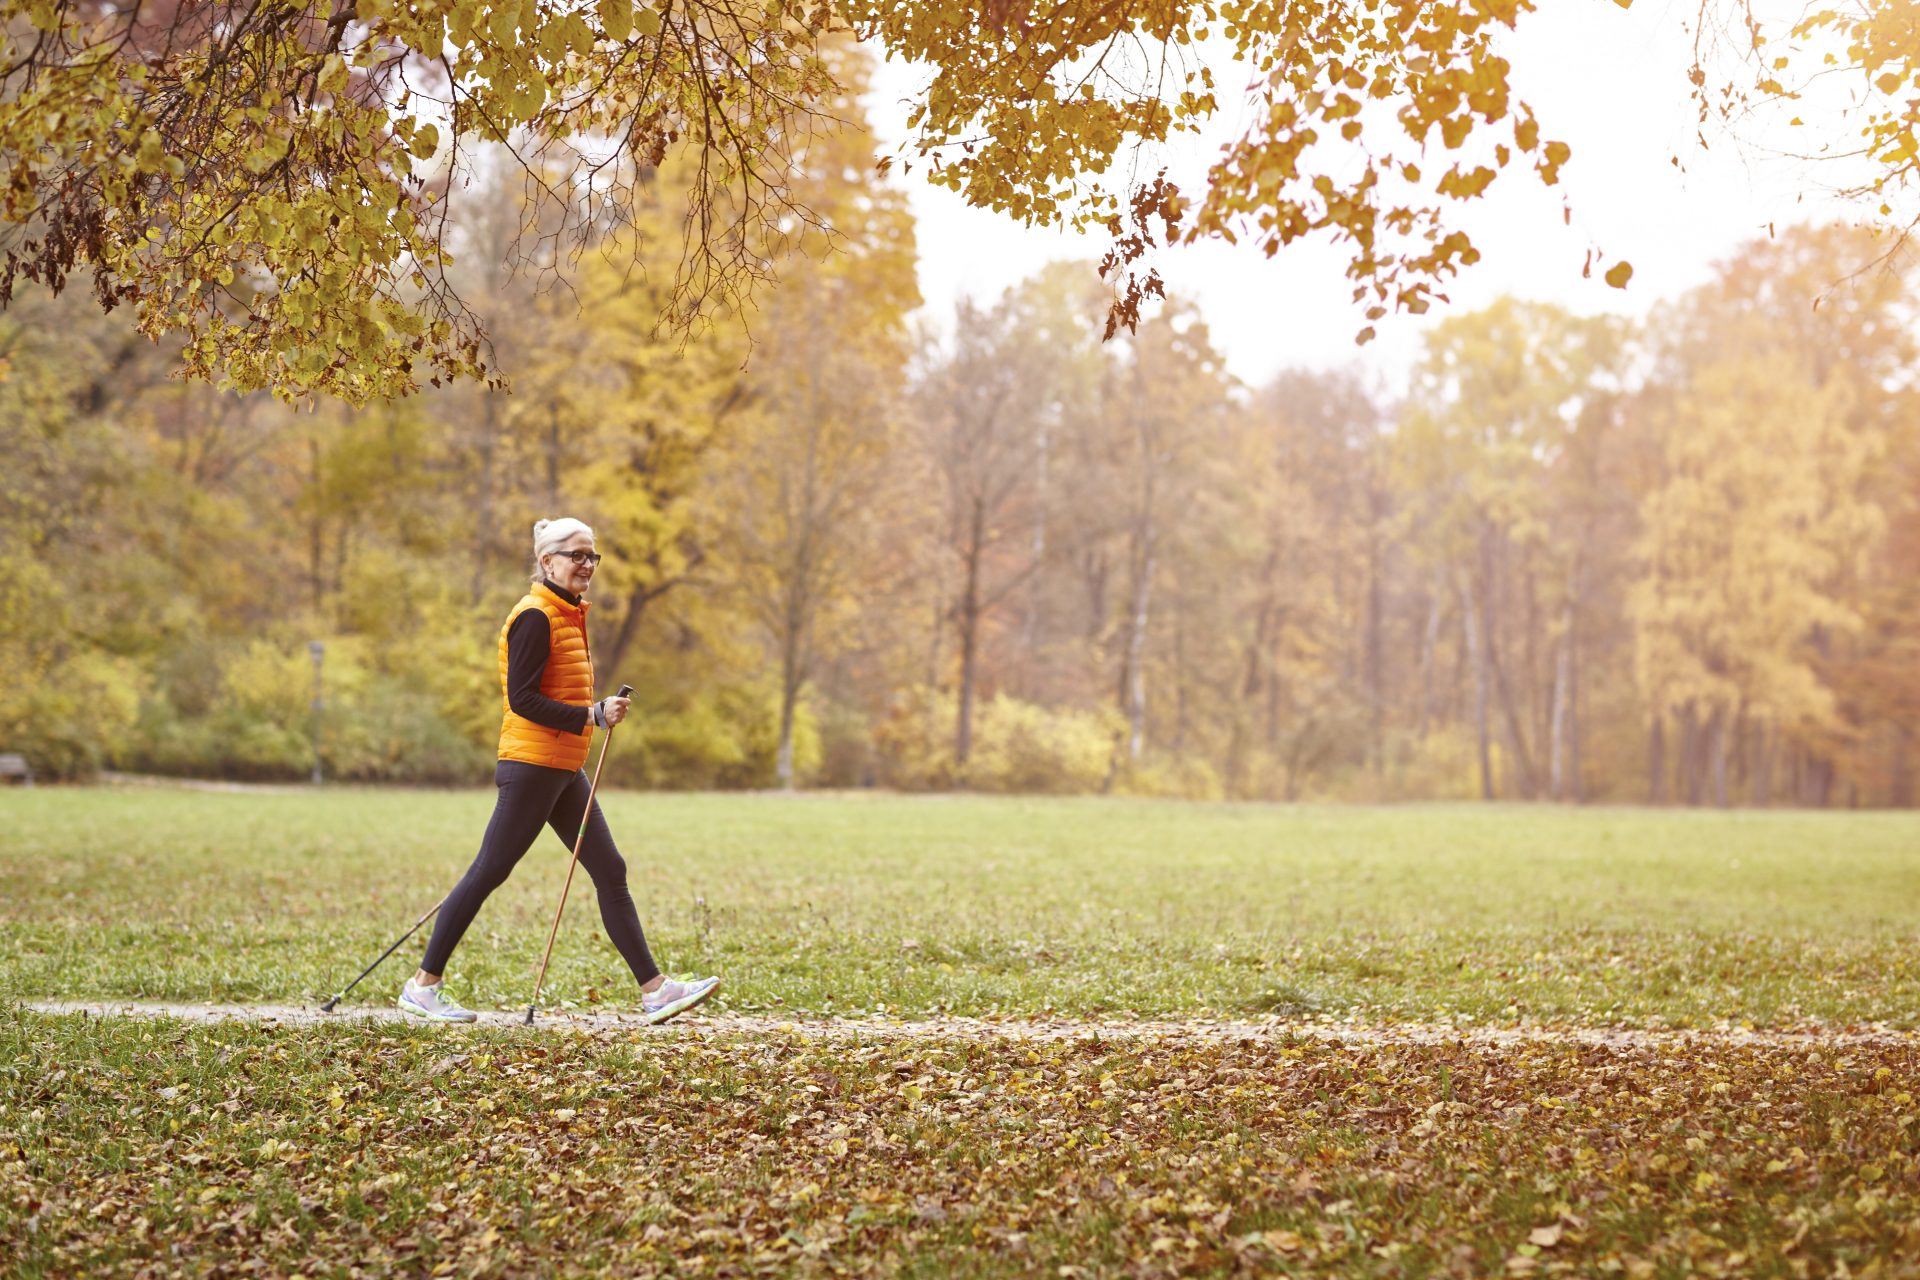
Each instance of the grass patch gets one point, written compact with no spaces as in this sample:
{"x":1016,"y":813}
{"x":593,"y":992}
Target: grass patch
{"x":127,"y":1145}
{"x":844,"y":904}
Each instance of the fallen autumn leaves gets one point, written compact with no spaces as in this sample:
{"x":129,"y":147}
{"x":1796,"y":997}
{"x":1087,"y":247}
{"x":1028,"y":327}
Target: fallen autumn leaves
{"x":130,"y":1147}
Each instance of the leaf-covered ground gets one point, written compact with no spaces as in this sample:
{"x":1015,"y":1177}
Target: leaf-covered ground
{"x":1564,"y":1143}
{"x":142,"y":1148}
{"x":833,"y":905}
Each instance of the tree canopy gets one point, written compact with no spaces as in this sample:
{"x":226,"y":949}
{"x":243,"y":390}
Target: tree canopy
{"x":271,"y":180}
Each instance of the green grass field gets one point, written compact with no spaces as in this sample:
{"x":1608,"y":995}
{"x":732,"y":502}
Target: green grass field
{"x":153,"y":1147}
{"x":824,"y":905}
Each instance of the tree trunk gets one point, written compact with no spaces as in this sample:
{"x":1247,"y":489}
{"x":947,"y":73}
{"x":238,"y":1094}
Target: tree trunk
{"x":1739,"y":756}
{"x":1273,"y":710}
{"x":1762,"y":769}
{"x":1821,"y":768}
{"x":1470,"y":624}
{"x":1250,"y":681}
{"x":1133,"y":683}
{"x":1717,"y":734}
{"x":969,"y":637}
{"x":1902,"y":790}
{"x":343,"y":550}
{"x":1030,"y":624}
{"x":1819,"y":781}
{"x":1576,"y":776}
{"x":1376,"y":656}
{"x":1179,"y":681}
{"x":1521,"y":769}
{"x":1137,"y":655}
{"x":1294,"y":751}
{"x":616,"y":652}
{"x":803,"y":525}
{"x":1567,"y":679}
{"x":1562,"y":709}
{"x":1692,"y":776}
{"x":783,"y":760}
{"x":1688,"y":785}
{"x":316,"y":551}
{"x":1457,"y":687}
{"x":937,"y":632}
{"x":793,"y":661}
{"x":1537,"y":712}
{"x":1429,"y":645}
{"x":1093,"y":576}
{"x":1657,"y":761}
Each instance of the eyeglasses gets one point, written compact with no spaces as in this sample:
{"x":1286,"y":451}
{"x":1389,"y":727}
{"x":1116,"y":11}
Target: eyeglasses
{"x":582,"y":557}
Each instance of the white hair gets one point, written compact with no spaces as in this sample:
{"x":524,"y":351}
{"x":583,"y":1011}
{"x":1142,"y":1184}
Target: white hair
{"x":548,"y":535}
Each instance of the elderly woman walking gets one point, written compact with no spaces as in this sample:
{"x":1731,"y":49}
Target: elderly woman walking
{"x":546,"y":679}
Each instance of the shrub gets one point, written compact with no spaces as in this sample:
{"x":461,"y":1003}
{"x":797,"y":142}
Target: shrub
{"x":393,"y":730}
{"x":848,"y":757}
{"x":1175,"y":777}
{"x":1441,"y":766}
{"x":66,"y":700}
{"x":717,"y":738}
{"x":1021,"y":747}
{"x":1017,"y":746}
{"x":69,"y":717}
{"x":914,"y":741}
{"x":257,"y":721}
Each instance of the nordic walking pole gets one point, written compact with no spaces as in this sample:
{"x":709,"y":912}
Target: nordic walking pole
{"x":626,"y":690}
{"x":341,"y":994}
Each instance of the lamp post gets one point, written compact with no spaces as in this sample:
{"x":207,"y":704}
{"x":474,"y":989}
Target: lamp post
{"x":317,"y":649}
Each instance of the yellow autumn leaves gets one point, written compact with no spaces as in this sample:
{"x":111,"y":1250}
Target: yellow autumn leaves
{"x":1025,"y":116}
{"x":692,"y":1154}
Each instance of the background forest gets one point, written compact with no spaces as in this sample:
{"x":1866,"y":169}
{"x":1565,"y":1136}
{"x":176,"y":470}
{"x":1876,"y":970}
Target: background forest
{"x":1581,"y":560}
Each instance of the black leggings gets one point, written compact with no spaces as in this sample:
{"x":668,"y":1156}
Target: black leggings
{"x":533,"y":795}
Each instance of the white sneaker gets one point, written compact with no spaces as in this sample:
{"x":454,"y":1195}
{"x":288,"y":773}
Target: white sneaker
{"x":672,"y":997}
{"x":432,"y":1003}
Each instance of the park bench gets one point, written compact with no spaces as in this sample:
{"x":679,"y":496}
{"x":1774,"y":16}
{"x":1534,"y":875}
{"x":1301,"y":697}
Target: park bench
{"x":14,"y":768}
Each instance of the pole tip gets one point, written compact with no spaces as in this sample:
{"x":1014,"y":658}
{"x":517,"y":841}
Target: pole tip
{"x":328,"y":1006}
{"x":529,"y":1015}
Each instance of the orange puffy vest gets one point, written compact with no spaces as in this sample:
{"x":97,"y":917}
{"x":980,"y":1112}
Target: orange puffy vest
{"x":568,"y":678}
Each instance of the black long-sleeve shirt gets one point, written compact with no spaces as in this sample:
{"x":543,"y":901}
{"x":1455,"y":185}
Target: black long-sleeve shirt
{"x":529,"y":644}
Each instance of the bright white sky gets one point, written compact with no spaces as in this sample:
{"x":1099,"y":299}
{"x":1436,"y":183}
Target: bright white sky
{"x":1610,"y":82}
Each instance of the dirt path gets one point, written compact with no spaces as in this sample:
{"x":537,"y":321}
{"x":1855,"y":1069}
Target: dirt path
{"x":702,"y":1026}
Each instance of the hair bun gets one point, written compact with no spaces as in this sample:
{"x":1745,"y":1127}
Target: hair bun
{"x":539,"y":527}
